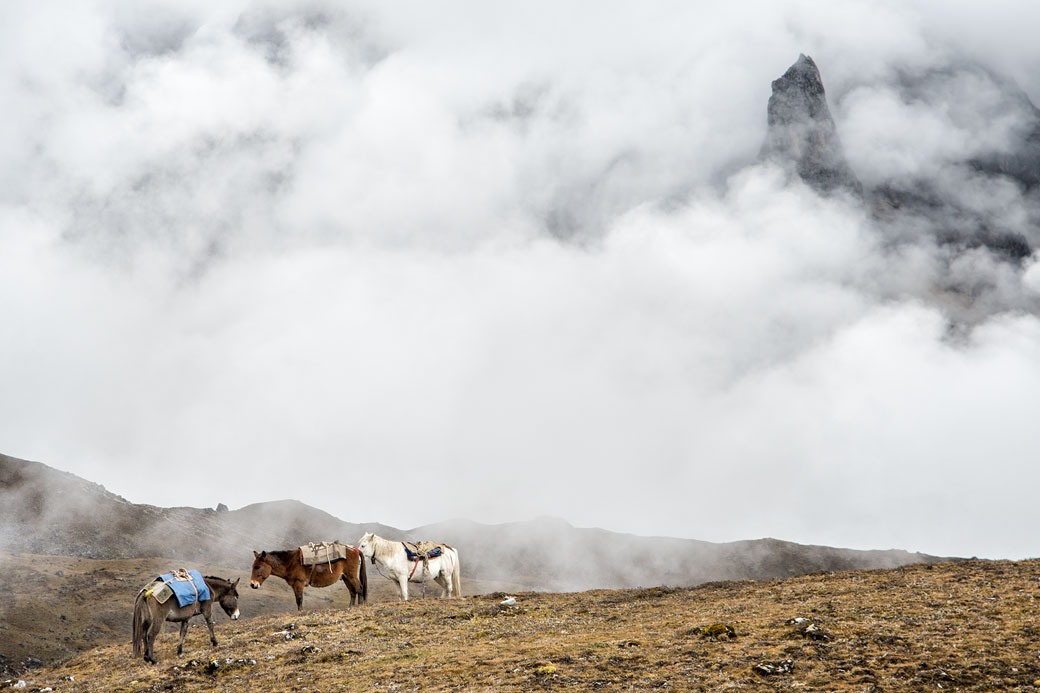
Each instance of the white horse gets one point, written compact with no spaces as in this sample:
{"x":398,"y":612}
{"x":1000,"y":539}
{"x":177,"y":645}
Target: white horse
{"x":391,"y":558}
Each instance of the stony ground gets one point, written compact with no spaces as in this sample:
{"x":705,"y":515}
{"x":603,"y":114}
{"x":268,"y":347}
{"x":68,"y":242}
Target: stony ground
{"x":52,"y":607}
{"x":963,"y":626}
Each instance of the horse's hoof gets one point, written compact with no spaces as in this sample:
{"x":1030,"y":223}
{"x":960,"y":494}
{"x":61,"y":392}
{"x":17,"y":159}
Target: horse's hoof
{"x":213,"y":642}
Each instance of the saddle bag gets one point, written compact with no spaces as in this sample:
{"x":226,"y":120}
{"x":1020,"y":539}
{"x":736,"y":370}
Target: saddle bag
{"x":324,"y":552}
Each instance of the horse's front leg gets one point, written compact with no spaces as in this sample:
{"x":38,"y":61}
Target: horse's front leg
{"x":207,"y":613}
{"x":184,"y":631}
{"x":402,"y":585}
{"x":298,"y":591}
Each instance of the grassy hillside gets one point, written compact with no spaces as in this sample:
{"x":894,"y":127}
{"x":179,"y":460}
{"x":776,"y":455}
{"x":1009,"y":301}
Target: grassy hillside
{"x":56,"y":606}
{"x":967,"y":626}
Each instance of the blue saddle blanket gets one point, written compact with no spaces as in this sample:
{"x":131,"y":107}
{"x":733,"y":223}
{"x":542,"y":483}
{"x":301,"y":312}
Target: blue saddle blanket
{"x":185,"y":593}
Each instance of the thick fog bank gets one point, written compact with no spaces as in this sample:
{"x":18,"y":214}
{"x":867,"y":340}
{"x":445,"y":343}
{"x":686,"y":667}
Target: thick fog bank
{"x":461,"y":262}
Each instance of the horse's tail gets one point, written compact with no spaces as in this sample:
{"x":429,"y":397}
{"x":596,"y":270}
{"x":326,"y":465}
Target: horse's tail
{"x":363,"y":576}
{"x":456,"y":577}
{"x":141,"y":623}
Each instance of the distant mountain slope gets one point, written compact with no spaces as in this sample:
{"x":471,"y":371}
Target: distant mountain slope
{"x":51,"y":512}
{"x":552,"y":554}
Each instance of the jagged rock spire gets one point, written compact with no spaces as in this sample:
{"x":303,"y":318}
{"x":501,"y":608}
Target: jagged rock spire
{"x":802,"y":134}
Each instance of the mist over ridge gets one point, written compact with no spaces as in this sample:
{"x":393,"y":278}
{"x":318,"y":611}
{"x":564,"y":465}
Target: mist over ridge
{"x":526,"y":267}
{"x":58,"y":514}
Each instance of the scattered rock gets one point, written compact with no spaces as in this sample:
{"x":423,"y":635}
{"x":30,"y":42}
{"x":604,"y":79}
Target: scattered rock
{"x":288,"y":635}
{"x":808,"y":629}
{"x":785,"y":666}
{"x":814,"y":632}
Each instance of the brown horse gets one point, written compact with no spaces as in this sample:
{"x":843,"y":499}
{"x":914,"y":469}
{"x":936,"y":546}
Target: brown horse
{"x":288,"y":566}
{"x":149,"y":615}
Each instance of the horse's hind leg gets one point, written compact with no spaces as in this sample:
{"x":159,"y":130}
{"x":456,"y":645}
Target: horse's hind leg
{"x":445,"y":584}
{"x":355,"y":589}
{"x":149,"y":639}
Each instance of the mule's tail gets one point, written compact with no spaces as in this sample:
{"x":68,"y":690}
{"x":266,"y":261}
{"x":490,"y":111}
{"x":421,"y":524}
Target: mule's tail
{"x":363,"y":576}
{"x":456,"y":577}
{"x":141,"y":623}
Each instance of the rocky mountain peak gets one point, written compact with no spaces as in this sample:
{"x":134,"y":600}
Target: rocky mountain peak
{"x":802,"y":135}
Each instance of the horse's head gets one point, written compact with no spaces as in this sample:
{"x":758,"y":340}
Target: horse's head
{"x":261,"y":570}
{"x":229,"y":601}
{"x":365,"y":545}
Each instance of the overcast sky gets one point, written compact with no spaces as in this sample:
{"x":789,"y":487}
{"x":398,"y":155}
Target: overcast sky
{"x":416,"y":262}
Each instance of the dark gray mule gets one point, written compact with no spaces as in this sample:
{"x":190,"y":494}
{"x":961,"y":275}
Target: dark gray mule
{"x":149,"y":615}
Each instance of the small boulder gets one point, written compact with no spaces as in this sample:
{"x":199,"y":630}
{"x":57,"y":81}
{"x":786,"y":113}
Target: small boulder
{"x":785,"y":666}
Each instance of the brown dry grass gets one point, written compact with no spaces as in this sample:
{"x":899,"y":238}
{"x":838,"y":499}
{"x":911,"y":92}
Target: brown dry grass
{"x":55,"y":606}
{"x":964,"y":626}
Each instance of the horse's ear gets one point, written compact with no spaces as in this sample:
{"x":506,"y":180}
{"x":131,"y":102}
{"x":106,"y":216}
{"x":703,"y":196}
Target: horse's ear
{"x":235,"y":583}
{"x":256,"y":555}
{"x":263,"y":554}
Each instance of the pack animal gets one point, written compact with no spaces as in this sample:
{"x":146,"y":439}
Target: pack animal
{"x":392,"y":558}
{"x":289,"y":566}
{"x":150,"y":614}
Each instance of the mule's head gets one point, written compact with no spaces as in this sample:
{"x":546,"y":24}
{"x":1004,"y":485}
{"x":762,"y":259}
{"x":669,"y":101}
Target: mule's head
{"x":365,"y":545}
{"x":229,"y":601}
{"x":261,"y":570}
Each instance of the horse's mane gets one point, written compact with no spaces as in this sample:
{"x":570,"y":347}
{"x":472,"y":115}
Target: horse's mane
{"x":383,"y":548}
{"x":282,"y":555}
{"x":222,"y":581}
{"x":221,"y":586}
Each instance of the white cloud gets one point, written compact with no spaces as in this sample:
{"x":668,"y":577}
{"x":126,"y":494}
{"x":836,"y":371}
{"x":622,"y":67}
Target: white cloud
{"x":322,"y":249}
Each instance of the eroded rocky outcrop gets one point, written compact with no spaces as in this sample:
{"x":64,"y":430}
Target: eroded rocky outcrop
{"x":947,"y":202}
{"x":802,"y":134}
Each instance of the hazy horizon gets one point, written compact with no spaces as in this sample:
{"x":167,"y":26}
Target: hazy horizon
{"x":428,"y":262}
